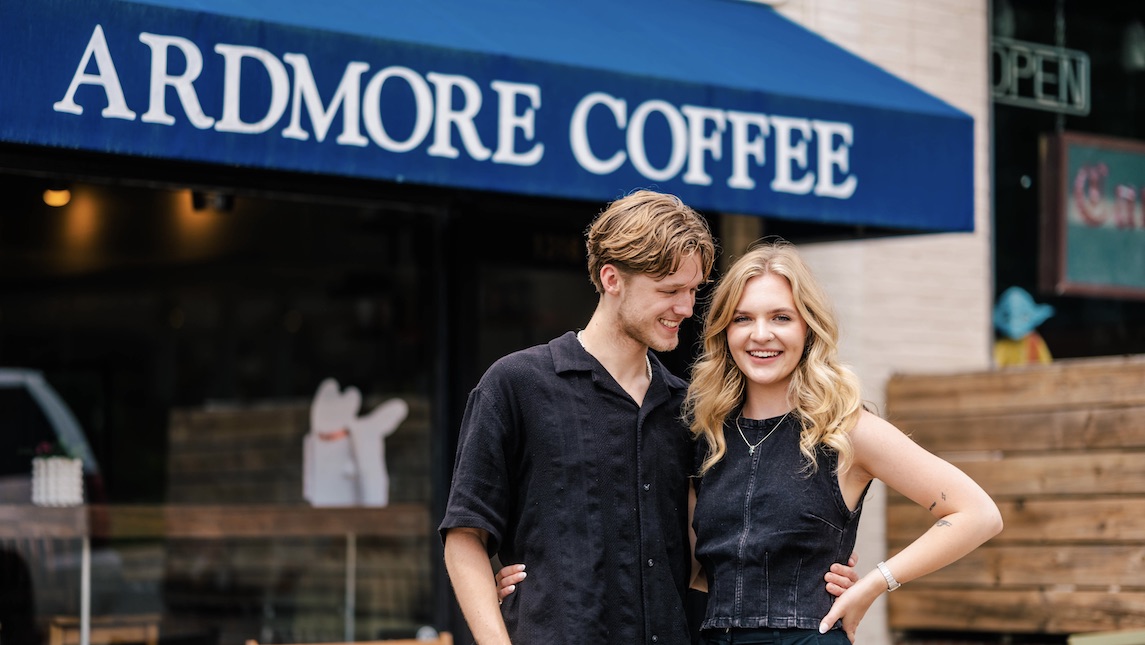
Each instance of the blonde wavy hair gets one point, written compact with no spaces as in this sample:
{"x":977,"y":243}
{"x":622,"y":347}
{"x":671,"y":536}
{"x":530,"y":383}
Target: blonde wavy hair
{"x":826,"y":396}
{"x":648,"y":232}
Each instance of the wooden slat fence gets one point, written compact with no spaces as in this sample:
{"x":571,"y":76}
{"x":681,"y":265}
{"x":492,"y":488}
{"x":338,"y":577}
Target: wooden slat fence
{"x":1061,"y":448}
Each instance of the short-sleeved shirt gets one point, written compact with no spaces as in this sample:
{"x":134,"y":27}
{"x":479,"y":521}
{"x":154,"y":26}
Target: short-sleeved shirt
{"x":569,"y":476}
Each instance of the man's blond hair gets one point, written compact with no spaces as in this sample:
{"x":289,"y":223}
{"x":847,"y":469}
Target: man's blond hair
{"x":648,"y":232}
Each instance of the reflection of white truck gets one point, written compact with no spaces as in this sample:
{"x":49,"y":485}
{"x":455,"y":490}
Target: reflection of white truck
{"x":33,"y":414}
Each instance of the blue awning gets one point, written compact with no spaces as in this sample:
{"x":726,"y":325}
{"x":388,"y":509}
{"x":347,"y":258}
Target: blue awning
{"x":723,"y":102}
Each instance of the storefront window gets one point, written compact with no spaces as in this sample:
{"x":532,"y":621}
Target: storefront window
{"x":188,"y":333}
{"x":1111,"y":36}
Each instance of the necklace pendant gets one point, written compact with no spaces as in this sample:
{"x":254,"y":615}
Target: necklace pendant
{"x":751,"y":450}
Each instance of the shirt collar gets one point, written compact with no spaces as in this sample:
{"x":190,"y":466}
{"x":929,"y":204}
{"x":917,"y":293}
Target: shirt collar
{"x":570,"y":356}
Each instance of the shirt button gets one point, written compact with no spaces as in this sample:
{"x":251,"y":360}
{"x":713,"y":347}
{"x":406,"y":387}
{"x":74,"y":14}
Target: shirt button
{"x":655,"y":638}
{"x":647,"y":486}
{"x":650,"y":563}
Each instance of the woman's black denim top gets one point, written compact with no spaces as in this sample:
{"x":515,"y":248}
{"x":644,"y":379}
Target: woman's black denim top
{"x":768,"y":528}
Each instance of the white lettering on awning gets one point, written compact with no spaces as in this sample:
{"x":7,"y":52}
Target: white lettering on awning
{"x":695,"y":138}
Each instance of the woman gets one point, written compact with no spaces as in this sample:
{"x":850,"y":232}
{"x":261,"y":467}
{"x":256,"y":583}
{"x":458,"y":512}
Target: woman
{"x":786,"y":452}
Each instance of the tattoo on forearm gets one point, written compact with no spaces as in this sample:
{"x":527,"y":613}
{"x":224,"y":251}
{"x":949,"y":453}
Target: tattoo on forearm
{"x":943,"y":523}
{"x":935,"y":503}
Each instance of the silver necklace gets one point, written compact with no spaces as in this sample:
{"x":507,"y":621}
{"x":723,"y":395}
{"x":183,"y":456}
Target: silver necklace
{"x":647,"y":361}
{"x":751,"y":448}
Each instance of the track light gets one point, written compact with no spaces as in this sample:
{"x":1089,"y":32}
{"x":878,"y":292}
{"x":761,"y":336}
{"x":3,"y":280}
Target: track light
{"x":220,"y":202}
{"x":57,"y":196}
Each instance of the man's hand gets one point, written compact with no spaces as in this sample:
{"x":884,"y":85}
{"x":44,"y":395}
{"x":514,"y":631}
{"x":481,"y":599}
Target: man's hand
{"x":508,"y":578}
{"x":840,"y":577}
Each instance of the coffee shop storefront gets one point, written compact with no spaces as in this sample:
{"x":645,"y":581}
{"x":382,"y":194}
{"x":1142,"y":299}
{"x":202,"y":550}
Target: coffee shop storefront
{"x":214,"y":207}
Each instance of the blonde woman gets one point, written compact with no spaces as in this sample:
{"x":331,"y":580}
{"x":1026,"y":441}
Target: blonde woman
{"x":786,"y":453}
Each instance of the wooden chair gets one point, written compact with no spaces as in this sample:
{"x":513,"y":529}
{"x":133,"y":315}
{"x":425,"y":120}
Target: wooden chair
{"x":443,"y":638}
{"x":135,"y":628}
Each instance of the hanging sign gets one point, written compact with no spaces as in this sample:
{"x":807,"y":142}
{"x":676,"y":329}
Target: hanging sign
{"x":1042,"y":77}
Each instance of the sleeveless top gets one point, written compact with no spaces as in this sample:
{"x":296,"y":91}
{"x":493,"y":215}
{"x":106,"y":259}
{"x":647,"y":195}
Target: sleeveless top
{"x":768,"y":528}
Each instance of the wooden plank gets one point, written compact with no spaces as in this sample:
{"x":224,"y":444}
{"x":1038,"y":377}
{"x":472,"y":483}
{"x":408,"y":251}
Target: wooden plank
{"x":1046,"y":521}
{"x":230,"y":462}
{"x":1089,"y":473}
{"x":267,"y":521}
{"x":1063,"y":384}
{"x":1087,"y":429}
{"x":1119,"y":474}
{"x":272,"y":420}
{"x":261,"y":492}
{"x":1125,"y":637}
{"x":252,"y":432}
{"x":1095,"y":567}
{"x":211,"y":522}
{"x":25,"y":521}
{"x":192,"y":425}
{"x":120,"y":628}
{"x":1045,"y":612}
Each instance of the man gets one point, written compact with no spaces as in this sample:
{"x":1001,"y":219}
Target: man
{"x":573,"y":459}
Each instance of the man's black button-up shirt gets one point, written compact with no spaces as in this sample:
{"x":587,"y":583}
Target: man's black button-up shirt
{"x":569,"y":476}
